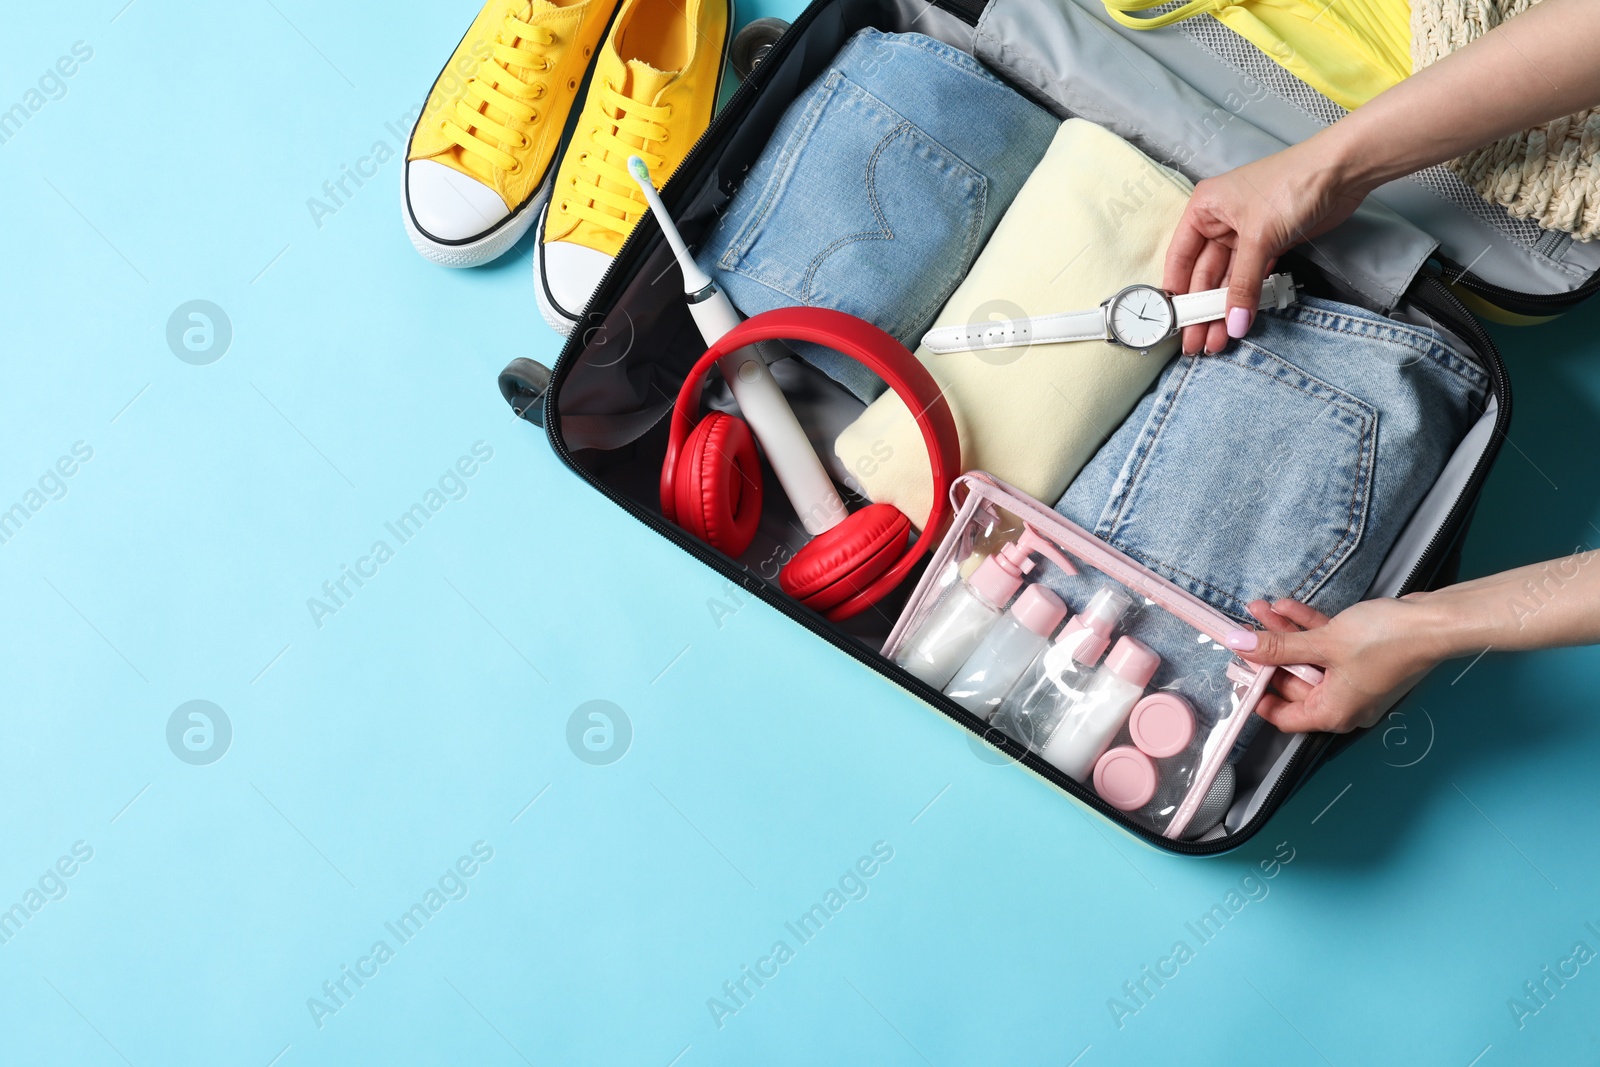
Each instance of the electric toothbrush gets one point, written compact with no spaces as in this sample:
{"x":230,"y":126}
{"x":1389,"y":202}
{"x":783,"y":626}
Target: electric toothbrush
{"x":801,"y":474}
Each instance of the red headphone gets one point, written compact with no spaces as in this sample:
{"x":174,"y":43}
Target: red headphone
{"x":711,"y":478}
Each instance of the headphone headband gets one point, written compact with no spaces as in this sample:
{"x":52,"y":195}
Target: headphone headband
{"x":880,"y":353}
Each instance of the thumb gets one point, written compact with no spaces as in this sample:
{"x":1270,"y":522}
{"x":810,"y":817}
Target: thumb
{"x":1275,"y":647}
{"x":1290,"y":717}
{"x":1249,"y":267}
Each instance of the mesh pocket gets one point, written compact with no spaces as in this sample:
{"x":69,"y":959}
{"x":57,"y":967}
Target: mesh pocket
{"x":1249,"y":61}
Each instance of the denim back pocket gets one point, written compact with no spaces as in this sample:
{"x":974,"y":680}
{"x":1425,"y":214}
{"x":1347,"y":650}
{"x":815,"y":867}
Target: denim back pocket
{"x":1249,"y":478}
{"x":892,"y":248}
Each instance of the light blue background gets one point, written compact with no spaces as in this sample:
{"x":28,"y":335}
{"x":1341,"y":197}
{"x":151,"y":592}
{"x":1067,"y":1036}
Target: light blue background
{"x":431,"y":710}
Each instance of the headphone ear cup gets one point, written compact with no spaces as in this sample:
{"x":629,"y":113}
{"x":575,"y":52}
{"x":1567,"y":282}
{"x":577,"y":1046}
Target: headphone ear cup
{"x":841,"y":562}
{"x":717,"y":489}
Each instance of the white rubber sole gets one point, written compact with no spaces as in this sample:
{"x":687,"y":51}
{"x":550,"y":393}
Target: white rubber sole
{"x":485,"y":249}
{"x":554,"y":317}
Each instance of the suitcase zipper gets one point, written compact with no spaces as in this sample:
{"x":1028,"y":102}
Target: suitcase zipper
{"x":1512,"y":300}
{"x":1449,"y":308}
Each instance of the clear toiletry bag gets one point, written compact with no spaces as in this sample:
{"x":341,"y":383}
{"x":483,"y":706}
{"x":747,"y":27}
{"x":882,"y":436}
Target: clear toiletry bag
{"x":1102,"y":676}
{"x":1206,"y":101}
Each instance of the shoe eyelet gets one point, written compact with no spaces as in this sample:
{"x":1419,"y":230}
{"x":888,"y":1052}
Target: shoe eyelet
{"x":566,"y":207}
{"x":587,"y":51}
{"x":583,"y":157}
{"x":515,"y":168}
{"x":525,"y":145}
{"x":539,"y":95}
{"x":572,"y":85}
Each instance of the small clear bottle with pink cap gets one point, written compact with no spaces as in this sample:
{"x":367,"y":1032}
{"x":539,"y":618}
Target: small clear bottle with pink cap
{"x":968,"y":609}
{"x":1006,"y":651}
{"x":1034,"y":707}
{"x":1091,"y":722}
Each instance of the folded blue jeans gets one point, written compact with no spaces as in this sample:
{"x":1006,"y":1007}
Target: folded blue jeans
{"x":1286,"y":466}
{"x":877,"y":190}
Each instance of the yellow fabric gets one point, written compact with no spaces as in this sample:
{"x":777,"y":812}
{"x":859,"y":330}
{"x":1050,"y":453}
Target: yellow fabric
{"x":1094,"y":216}
{"x":498,"y":108}
{"x":632,"y":108}
{"x":1348,"y":50}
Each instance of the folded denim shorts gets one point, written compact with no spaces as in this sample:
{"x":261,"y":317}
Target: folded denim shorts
{"x":1286,"y":466}
{"x":877,"y":190}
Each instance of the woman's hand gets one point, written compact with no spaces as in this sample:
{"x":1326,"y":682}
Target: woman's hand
{"x":1238,"y":223}
{"x":1372,"y":653}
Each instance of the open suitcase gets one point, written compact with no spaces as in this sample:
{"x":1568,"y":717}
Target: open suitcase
{"x":1195,"y":97}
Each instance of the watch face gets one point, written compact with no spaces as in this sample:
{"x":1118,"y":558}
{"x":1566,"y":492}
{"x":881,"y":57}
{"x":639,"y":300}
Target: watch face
{"x":1141,"y":316}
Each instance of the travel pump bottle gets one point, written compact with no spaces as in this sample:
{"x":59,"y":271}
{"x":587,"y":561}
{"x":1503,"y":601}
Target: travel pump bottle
{"x":1090,"y":723}
{"x":970,"y":607}
{"x":1006,"y":651}
{"x":1034,"y":707}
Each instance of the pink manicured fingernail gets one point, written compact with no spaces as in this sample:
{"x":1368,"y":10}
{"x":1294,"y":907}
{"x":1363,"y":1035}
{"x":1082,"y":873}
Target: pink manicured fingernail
{"x":1241,"y":640}
{"x":1238,"y":325}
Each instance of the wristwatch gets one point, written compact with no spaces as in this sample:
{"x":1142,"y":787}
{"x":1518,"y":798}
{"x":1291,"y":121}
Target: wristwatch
{"x":1138,"y":317}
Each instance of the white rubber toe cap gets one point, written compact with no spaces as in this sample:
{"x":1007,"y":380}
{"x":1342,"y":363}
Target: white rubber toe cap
{"x":449,"y":205}
{"x":571,"y":274}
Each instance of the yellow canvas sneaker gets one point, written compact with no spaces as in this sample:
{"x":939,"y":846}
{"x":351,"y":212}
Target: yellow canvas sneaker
{"x":653,"y":90}
{"x":480,"y":159}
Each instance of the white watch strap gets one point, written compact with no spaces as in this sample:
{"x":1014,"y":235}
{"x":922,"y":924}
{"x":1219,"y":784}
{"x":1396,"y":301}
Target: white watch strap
{"x":1212,"y":304}
{"x":1276,"y":292}
{"x":1013,"y":333}
{"x":1207,"y":306}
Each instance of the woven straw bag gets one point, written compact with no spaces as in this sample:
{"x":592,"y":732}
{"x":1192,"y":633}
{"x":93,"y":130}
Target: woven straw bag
{"x":1549,"y":174}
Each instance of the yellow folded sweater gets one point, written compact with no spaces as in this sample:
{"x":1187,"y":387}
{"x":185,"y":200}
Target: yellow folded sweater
{"x":1094,"y":216}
